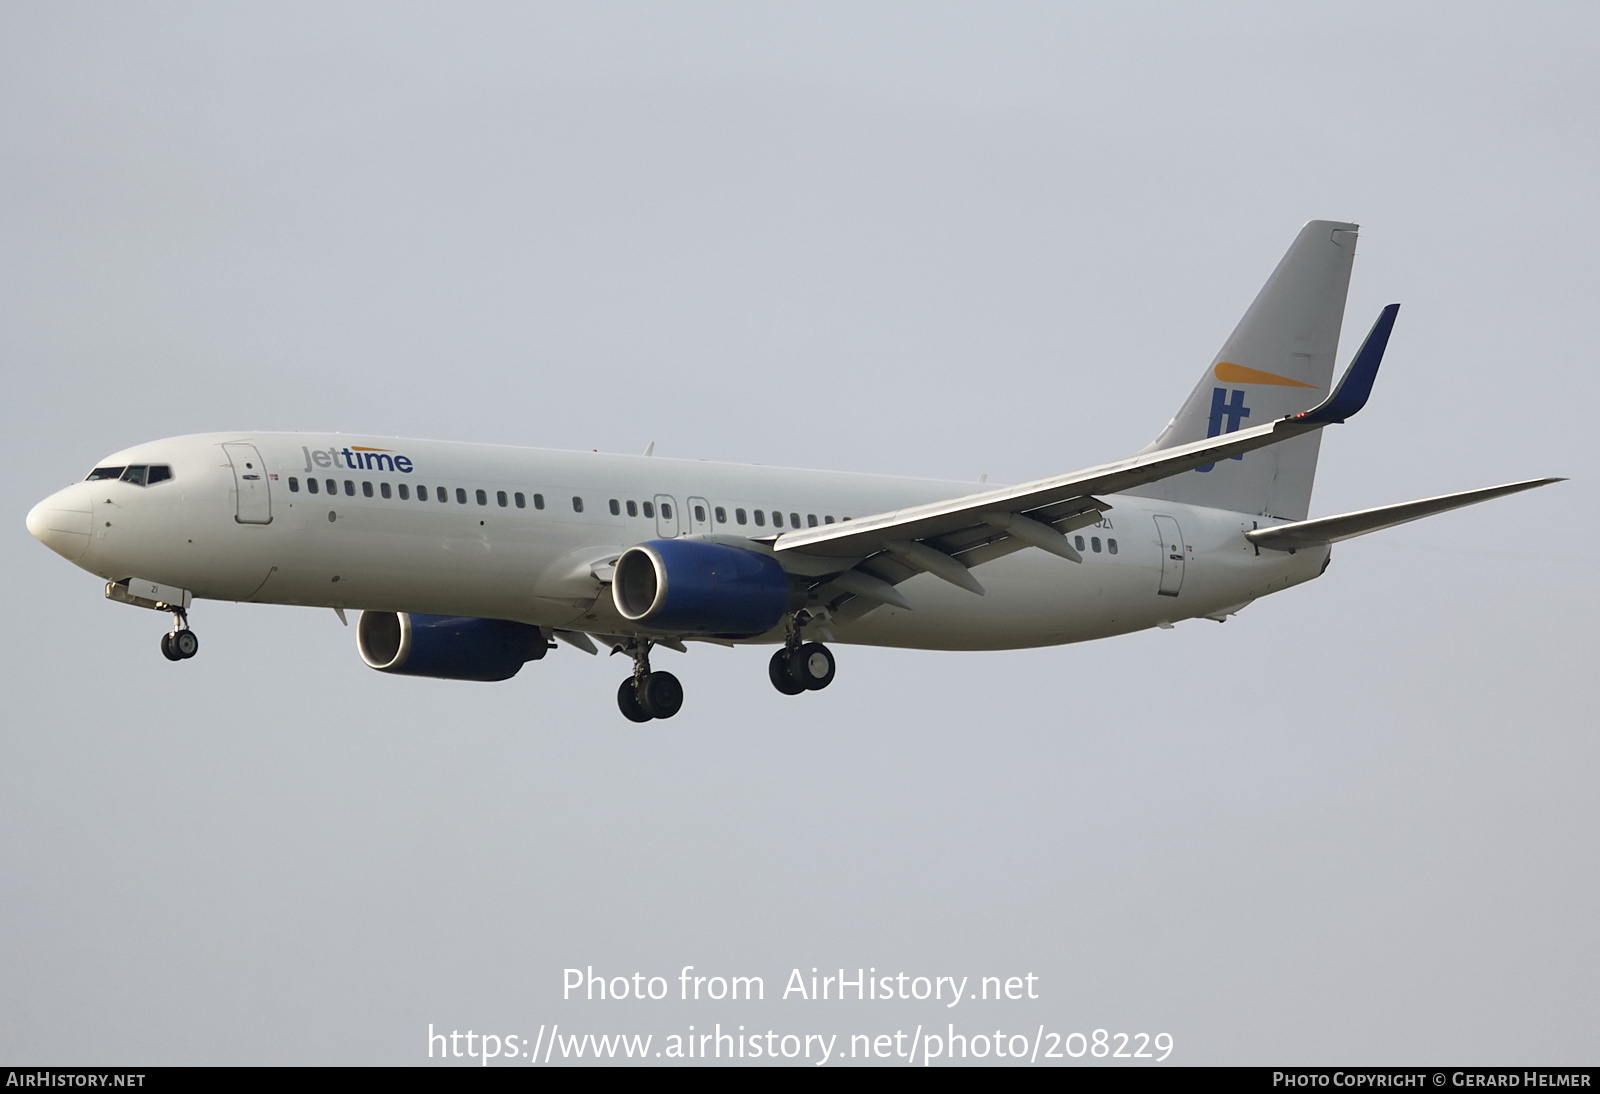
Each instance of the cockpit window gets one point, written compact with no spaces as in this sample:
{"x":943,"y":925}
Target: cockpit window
{"x":140,"y":474}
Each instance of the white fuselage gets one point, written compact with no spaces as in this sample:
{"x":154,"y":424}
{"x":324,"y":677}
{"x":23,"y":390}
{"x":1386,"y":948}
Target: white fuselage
{"x":212,"y":532}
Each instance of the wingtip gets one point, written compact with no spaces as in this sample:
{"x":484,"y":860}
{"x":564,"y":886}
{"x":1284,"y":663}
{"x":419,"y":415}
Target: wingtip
{"x":1355,"y":386}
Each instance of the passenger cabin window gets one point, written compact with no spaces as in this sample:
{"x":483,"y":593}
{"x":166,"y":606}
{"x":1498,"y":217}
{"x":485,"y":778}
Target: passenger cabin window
{"x":1077,"y":541}
{"x":666,"y":511}
{"x":311,"y":485}
{"x":761,"y":519}
{"x":777,"y":519}
{"x":101,"y":474}
{"x":794,"y":520}
{"x":738,"y":515}
{"x":633,"y":508}
{"x":1111,"y":545}
{"x":811,"y":520}
{"x":522,"y":502}
{"x":405,"y":492}
{"x":538,"y":501}
{"x":1094,"y":543}
{"x":616,"y":507}
{"x":650,"y":510}
{"x":700,"y":514}
{"x":383,"y":488}
{"x":366,"y":488}
{"x":483,"y":497}
{"x":827,"y":520}
{"x":577,"y":504}
{"x":441,"y":493}
{"x":294,"y":485}
{"x":349,"y":489}
{"x":500,"y":498}
{"x":333,"y":487}
{"x":721,"y":514}
{"x":461,"y":495}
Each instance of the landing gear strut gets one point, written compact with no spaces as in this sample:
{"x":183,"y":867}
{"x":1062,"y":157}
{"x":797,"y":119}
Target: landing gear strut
{"x":180,"y":643}
{"x":645,"y":694}
{"x":800,"y":666}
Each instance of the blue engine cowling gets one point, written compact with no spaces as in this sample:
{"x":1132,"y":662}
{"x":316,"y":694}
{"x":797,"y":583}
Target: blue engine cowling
{"x":694,"y":587}
{"x":447,"y":646}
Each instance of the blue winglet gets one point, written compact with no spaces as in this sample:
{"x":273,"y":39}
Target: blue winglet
{"x":1356,"y":384}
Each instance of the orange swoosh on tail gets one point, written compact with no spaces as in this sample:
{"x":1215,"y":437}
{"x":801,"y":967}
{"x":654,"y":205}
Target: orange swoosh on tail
{"x":1230,"y":373}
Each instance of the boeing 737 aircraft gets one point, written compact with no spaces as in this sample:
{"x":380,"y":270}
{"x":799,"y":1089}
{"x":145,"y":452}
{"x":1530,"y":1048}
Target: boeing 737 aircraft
{"x":468,"y":560}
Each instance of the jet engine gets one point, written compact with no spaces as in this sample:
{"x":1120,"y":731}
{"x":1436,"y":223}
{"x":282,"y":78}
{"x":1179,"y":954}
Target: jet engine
{"x":446,"y":646}
{"x":694,"y":587}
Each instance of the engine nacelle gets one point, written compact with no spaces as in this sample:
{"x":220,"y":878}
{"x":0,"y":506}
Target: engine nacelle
{"x":447,"y":646}
{"x":694,"y":587}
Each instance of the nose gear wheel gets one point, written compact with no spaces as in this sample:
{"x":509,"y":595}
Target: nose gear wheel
{"x":180,"y":643}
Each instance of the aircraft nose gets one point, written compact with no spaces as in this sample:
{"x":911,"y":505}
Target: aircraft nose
{"x":62,"y":521}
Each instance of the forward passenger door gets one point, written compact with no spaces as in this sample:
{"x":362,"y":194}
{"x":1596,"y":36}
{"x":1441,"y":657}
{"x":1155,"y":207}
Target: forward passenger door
{"x":250,"y":484}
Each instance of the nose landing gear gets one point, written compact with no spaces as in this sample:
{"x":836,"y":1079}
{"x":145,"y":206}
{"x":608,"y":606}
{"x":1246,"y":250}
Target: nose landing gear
{"x":645,"y":694}
{"x":180,"y":643}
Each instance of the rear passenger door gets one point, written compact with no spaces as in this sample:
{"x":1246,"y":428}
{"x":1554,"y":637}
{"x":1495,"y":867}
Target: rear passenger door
{"x":1172,"y":556}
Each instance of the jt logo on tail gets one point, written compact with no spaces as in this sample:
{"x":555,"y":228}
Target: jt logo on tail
{"x":1221,"y":408}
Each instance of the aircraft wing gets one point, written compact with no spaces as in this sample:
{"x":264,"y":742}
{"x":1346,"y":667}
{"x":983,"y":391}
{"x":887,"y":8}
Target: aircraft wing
{"x":1325,"y":530}
{"x":946,"y":538}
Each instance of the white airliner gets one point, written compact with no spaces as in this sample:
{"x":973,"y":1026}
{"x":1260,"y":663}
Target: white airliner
{"x":466,"y":560}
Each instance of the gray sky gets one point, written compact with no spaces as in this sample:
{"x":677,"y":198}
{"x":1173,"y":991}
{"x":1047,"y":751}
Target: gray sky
{"x":1351,"y":825}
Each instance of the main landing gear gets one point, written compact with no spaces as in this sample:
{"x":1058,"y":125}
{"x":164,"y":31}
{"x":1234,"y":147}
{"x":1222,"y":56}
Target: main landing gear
{"x":800,"y":666}
{"x":645,"y":694}
{"x":180,"y":643}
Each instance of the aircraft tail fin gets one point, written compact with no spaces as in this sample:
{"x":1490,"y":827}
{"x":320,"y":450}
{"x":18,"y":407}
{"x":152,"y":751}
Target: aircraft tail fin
{"x":1278,"y":361}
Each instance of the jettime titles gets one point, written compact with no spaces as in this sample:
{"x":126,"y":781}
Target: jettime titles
{"x":356,"y":458}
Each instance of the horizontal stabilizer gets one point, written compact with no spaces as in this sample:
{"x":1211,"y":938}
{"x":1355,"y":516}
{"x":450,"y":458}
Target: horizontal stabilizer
{"x":1326,"y":530}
